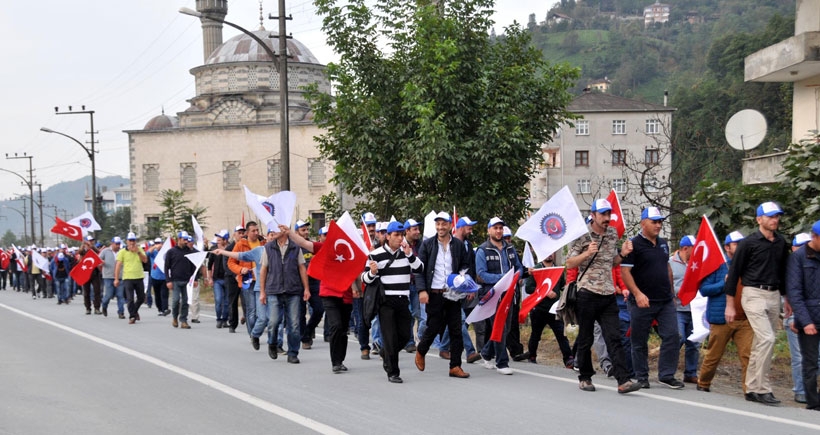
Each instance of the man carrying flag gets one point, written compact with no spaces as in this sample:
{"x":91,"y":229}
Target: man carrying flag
{"x":493,"y":259}
{"x":544,"y":286}
{"x":679,"y":263}
{"x":595,"y":254}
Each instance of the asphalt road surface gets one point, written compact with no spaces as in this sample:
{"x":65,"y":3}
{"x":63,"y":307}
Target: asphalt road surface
{"x":64,"y":372}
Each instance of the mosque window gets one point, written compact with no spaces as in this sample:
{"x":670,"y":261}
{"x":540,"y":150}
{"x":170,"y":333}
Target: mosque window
{"x":232,"y":79}
{"x":230,"y":175}
{"x":274,"y":175}
{"x":150,"y":177}
{"x":253,"y":80}
{"x":187,"y":176}
{"x":316,"y":173}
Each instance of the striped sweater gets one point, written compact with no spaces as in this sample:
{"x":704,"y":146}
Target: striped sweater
{"x":396,"y":279}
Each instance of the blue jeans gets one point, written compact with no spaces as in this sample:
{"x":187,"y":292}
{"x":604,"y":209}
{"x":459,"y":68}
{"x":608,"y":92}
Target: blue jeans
{"x":423,"y":321}
{"x":261,"y":316}
{"x":497,"y":349}
{"x":251,"y":298}
{"x":414,"y":312}
{"x":108,"y":284}
{"x":692,"y":350}
{"x":642,"y":319}
{"x":220,"y":300}
{"x":290,"y":311}
{"x":62,"y":289}
{"x":179,"y":301}
{"x":376,"y":332}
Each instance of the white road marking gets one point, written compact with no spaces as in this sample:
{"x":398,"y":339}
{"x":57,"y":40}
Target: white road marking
{"x":247,"y":398}
{"x":684,"y":402}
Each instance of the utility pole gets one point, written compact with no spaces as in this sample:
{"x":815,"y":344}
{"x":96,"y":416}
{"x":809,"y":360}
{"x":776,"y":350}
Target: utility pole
{"x":40,"y":206}
{"x":91,"y":154}
{"x":30,"y":186}
{"x":284,"y":119}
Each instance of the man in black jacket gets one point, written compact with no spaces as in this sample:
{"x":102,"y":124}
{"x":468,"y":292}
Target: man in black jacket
{"x":178,"y":271}
{"x":442,"y":255}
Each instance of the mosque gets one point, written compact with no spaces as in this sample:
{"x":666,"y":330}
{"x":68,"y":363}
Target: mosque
{"x":229,"y":136}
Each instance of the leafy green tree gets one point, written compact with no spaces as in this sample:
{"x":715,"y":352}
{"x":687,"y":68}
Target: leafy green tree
{"x":117,"y":224}
{"x":430,"y":112}
{"x":8,"y":239}
{"x":176,"y":212}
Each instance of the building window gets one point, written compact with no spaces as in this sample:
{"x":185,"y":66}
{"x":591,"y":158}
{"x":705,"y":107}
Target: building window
{"x":653,"y":157}
{"x":187,"y":176}
{"x":619,"y":126}
{"x":582,"y":128}
{"x":316,"y":173}
{"x":584,"y":186}
{"x":618,"y":157}
{"x":619,"y":184}
{"x":317,"y":219}
{"x":551,"y":159}
{"x":150,"y":178}
{"x":274,"y":175}
{"x":581,"y":158}
{"x":653,"y":126}
{"x":230,"y":175}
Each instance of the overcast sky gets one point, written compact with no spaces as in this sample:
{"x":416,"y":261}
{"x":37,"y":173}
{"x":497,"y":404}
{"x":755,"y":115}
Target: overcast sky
{"x":126,"y":66}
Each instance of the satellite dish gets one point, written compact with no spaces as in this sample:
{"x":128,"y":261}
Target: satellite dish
{"x":746,"y":129}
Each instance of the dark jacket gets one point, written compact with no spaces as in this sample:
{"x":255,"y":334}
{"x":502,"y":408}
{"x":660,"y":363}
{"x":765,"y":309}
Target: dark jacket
{"x":428,"y":253}
{"x":283,"y":275}
{"x":177,"y":267}
{"x":803,"y":286}
{"x":712,"y":288}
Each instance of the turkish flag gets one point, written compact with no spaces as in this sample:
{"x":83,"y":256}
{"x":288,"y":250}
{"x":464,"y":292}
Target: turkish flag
{"x":707,"y":257}
{"x":616,"y":219}
{"x":366,"y":237}
{"x":338,"y":266}
{"x":5,"y":259}
{"x":81,"y":273}
{"x":66,"y":229}
{"x":503,"y":311}
{"x":545,"y":280}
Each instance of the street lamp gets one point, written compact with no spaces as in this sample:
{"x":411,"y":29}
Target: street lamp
{"x":282,"y":67}
{"x":29,"y":183}
{"x":90,"y":153}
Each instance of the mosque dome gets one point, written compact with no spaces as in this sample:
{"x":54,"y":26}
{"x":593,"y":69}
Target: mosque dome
{"x":162,"y":122}
{"x":243,"y":48}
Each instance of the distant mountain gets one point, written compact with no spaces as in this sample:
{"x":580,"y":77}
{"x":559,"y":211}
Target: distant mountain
{"x":67,"y":196}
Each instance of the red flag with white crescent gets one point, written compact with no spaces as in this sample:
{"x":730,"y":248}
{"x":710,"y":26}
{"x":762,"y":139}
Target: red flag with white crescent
{"x":366,"y":236}
{"x":545,"y":281}
{"x":707,"y":257}
{"x":339,"y":261}
{"x":503,"y":311}
{"x":66,"y":229}
{"x":616,"y":219}
{"x":81,"y":273}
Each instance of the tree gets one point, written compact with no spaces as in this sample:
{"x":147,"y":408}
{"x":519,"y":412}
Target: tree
{"x":176,"y":212}
{"x":8,"y":239}
{"x":430,"y":112}
{"x":118,"y":224}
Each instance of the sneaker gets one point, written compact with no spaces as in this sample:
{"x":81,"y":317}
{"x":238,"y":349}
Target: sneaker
{"x":628,"y":387}
{"x":121,"y":315}
{"x":608,"y":370}
{"x":504,"y":371}
{"x":376,"y":349}
{"x":280,"y":349}
{"x":97,"y":311}
{"x":644,"y":384}
{"x":586,"y":385}
{"x":488,"y":364}
{"x":410,"y":348}
{"x":521,"y":356}
{"x":672,"y":383}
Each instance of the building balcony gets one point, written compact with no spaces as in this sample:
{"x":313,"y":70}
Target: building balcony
{"x":790,"y":60}
{"x":763,"y":169}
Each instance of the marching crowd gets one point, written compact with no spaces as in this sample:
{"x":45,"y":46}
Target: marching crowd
{"x":623,"y":290}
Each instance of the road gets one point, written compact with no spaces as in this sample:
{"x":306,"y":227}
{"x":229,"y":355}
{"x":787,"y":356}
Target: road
{"x":63,"y":372}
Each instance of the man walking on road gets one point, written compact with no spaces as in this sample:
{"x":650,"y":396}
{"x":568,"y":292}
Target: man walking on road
{"x":129,"y":263}
{"x":178,"y":270}
{"x":760,"y":264}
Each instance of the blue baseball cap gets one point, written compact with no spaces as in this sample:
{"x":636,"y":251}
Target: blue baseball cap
{"x":816,"y":228}
{"x":410,"y":224}
{"x":733,"y":237}
{"x":495,"y":221}
{"x":687,"y":241}
{"x":395,"y":226}
{"x":769,"y":209}
{"x":369,"y":218}
{"x":443,"y":215}
{"x":600,"y":206}
{"x":465,"y":222}
{"x":299,"y":224}
{"x":323,"y":230}
{"x":652,"y":213}
{"x":801,"y":239}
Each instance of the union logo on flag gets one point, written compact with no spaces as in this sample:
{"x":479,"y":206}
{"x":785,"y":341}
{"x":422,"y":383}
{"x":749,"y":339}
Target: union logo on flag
{"x":85,"y":222}
{"x":554,"y":226}
{"x":269,"y":207}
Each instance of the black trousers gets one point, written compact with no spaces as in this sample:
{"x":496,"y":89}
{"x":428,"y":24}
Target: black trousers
{"x":809,"y":349}
{"x":336,"y":321}
{"x":593,"y":307}
{"x":160,"y":294}
{"x":95,"y":282}
{"x":441,"y":313}
{"x":234,"y":295}
{"x":540,"y":318}
{"x":394,"y":319}
{"x":134,"y":294}
{"x":514,"y":345}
